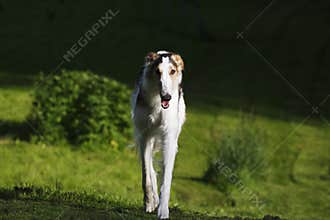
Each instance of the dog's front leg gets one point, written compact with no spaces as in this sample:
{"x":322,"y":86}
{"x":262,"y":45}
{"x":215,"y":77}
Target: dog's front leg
{"x":169,"y":152}
{"x":148,"y":175}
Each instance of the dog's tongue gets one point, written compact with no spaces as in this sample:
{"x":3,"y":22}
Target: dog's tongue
{"x":165,"y":104}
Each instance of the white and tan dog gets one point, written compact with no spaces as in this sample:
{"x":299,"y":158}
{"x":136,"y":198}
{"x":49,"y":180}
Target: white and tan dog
{"x":158,"y":111}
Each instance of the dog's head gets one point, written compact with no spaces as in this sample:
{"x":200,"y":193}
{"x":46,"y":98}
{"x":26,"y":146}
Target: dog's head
{"x":165,"y":68}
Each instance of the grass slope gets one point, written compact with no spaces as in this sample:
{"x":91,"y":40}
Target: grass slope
{"x":28,"y":202}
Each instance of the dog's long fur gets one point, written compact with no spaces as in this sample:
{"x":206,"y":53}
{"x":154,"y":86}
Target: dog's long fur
{"x":158,"y":122}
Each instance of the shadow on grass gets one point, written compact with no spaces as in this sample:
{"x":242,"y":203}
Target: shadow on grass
{"x":40,"y":203}
{"x":191,"y":178}
{"x":16,"y":130}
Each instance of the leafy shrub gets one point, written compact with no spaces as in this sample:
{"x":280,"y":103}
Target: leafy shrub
{"x":81,"y":108}
{"x":239,"y":151}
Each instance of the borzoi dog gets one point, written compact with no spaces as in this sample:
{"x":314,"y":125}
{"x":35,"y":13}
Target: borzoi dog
{"x":158,"y":112}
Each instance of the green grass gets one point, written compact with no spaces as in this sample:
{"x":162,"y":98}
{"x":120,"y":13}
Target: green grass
{"x":294,"y":181}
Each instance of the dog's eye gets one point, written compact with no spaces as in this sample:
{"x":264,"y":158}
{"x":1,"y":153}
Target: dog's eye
{"x":172,"y":72}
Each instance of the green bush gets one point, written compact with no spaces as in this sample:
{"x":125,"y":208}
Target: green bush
{"x":238,"y":153}
{"x":81,"y":108}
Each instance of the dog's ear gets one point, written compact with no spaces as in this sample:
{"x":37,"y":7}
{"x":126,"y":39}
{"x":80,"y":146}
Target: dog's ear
{"x":179,"y":61}
{"x":151,"y":56}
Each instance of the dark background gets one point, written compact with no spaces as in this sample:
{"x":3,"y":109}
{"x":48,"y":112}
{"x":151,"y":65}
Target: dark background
{"x":221,"y":67}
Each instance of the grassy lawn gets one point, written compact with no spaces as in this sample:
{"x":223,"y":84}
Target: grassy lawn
{"x":293,"y":184}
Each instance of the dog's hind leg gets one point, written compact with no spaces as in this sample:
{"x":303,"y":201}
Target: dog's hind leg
{"x":149,"y":181}
{"x":170,"y":148}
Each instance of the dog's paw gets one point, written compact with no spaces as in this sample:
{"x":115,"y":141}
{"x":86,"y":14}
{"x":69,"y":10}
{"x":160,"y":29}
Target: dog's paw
{"x":163,"y":212}
{"x":151,"y":206}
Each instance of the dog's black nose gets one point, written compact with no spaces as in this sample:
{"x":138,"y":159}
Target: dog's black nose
{"x":166,"y":97}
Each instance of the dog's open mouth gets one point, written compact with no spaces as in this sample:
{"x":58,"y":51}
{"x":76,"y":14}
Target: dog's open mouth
{"x":165,"y":103}
{"x":165,"y":100}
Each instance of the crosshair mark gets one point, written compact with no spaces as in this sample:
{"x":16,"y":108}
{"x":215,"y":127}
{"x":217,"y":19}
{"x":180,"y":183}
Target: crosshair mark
{"x":239,"y":35}
{"x":315,"y":110}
